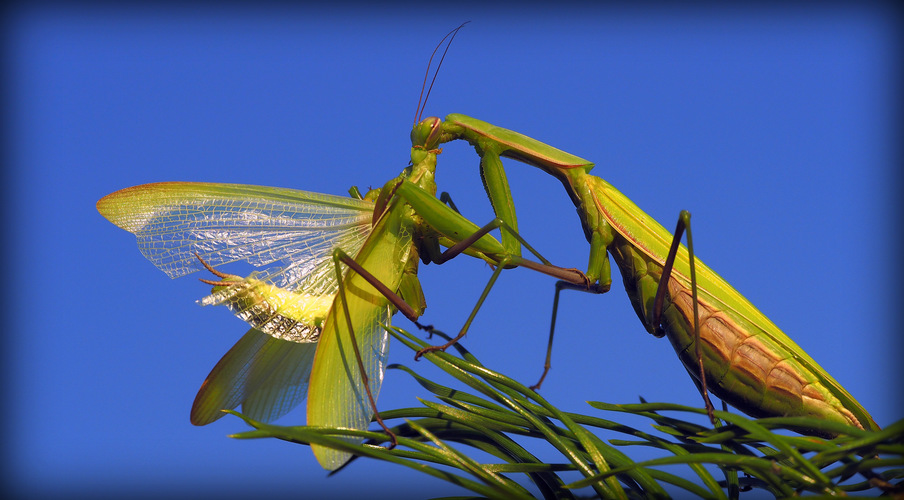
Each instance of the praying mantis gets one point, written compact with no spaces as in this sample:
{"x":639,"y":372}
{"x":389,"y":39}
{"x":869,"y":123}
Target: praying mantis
{"x":726,"y":344}
{"x":280,"y":381}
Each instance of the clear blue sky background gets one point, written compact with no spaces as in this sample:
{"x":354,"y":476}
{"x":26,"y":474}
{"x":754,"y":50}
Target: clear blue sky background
{"x":774,"y":127}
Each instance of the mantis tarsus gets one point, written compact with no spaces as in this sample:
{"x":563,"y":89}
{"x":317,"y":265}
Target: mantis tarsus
{"x":741,"y":356}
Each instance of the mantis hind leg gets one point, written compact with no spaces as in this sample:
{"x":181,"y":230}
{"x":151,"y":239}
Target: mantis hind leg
{"x":684,"y":224}
{"x":412,"y":313}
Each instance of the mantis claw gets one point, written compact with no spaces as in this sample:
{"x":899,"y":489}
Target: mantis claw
{"x":393,"y":441}
{"x":429,"y":328}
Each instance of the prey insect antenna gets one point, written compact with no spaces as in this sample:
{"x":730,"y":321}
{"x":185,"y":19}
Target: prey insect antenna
{"x":218,"y":274}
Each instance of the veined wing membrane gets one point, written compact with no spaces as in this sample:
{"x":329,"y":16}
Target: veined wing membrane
{"x":266,"y":375}
{"x":289,"y":232}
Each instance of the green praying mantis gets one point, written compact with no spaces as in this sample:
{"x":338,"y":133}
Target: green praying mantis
{"x":726,"y":344}
{"x":336,"y":268}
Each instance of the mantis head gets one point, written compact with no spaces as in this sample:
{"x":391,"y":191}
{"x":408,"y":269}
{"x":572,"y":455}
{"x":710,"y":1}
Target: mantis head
{"x":426,"y":134}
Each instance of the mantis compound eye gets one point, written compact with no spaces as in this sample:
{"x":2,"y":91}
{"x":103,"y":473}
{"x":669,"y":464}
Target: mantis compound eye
{"x":426,"y":133}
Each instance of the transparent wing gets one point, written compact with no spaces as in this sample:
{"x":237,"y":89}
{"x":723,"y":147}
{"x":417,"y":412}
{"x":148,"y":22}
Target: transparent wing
{"x":225,"y":223}
{"x":267,"y":376}
{"x":289,"y":233}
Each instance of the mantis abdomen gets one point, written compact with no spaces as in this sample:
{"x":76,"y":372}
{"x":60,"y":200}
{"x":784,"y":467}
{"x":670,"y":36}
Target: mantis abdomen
{"x":748,"y":361}
{"x":744,"y":366}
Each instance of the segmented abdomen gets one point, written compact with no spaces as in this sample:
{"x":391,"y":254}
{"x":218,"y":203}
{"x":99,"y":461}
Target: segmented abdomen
{"x":286,"y":315}
{"x":744,"y":367}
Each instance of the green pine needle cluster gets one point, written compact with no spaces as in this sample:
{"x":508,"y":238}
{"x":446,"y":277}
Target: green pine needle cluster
{"x":499,"y":419}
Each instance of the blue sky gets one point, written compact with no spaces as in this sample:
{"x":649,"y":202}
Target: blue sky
{"x":774,"y":128}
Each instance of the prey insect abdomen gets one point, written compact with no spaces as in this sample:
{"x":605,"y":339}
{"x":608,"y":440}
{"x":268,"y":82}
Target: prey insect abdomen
{"x":280,"y":313}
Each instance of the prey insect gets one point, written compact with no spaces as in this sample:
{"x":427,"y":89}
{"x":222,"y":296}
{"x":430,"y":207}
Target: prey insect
{"x":334,"y":271}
